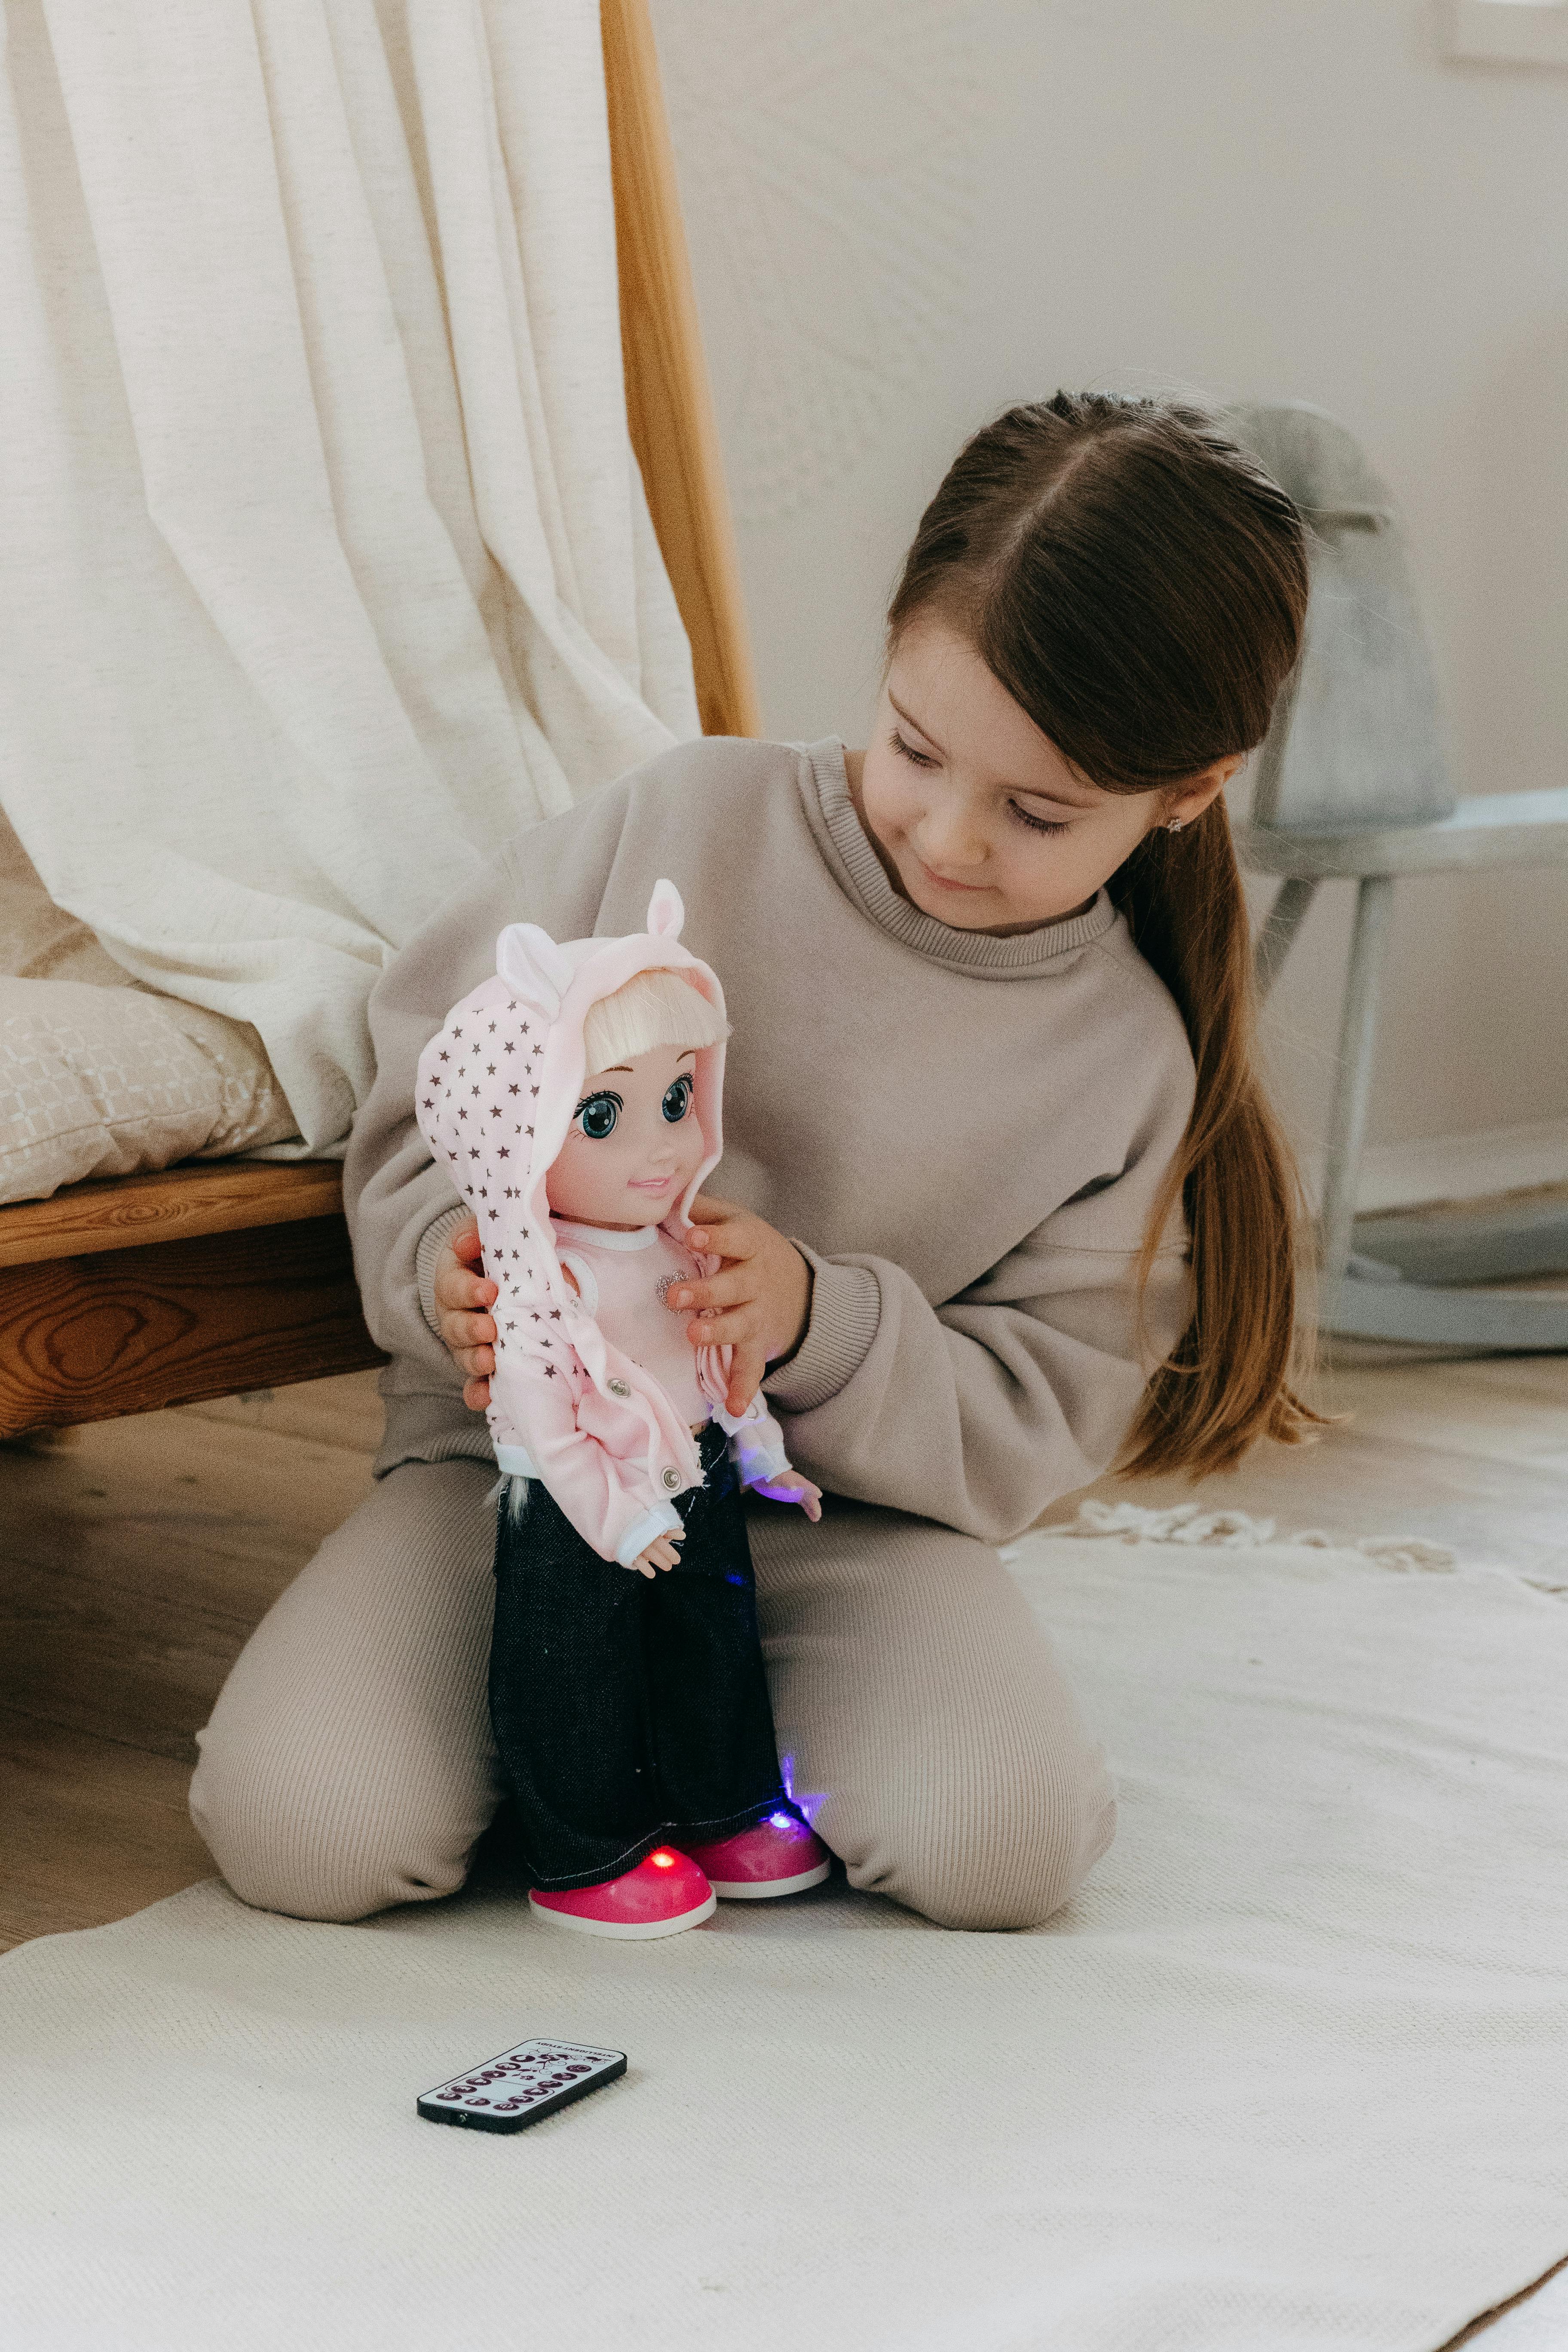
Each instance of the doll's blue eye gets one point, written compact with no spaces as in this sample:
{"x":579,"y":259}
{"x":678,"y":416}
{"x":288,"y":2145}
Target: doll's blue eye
{"x":678,"y":1101}
{"x":599,"y":1115}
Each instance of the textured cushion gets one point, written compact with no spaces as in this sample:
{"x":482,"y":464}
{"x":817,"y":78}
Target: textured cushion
{"x":104,"y":1081}
{"x":99,"y":1077}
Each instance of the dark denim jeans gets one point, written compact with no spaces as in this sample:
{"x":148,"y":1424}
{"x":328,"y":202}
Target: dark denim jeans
{"x":630,"y":1710}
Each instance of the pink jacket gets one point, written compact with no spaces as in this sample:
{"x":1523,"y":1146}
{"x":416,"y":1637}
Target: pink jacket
{"x":497,"y":1087}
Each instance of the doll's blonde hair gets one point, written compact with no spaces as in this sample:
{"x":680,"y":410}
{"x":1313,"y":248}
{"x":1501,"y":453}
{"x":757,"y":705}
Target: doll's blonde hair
{"x":652,"y":1008}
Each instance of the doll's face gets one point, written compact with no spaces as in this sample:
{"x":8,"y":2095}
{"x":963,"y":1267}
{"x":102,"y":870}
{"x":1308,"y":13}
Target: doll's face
{"x":634,"y":1145}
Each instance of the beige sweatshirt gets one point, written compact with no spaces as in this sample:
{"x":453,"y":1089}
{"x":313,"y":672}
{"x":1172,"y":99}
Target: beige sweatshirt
{"x":965,"y":1135}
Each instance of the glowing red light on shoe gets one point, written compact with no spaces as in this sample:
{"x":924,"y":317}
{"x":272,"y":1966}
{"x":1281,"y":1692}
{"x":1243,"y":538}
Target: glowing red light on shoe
{"x":662,"y":1859}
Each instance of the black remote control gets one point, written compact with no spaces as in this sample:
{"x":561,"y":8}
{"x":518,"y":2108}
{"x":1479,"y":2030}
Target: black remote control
{"x":505,"y":2093}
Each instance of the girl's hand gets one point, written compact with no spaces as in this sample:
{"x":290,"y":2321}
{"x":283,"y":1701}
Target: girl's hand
{"x":759,"y":1302}
{"x":789,"y":1486}
{"x":660,"y":1553}
{"x":462,"y":1296}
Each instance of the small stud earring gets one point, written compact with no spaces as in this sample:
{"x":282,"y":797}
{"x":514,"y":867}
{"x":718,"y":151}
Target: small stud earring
{"x":1175,"y":824}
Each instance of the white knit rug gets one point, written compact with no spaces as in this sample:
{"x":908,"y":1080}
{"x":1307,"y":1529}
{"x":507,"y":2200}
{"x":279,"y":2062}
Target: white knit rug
{"x":1293,"y":2072}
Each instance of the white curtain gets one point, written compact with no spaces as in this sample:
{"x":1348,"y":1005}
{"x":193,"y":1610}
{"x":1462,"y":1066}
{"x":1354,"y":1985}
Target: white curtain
{"x":324,"y":561}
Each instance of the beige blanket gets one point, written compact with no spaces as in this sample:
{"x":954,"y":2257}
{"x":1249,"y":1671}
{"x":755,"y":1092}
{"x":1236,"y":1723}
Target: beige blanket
{"x":1292,"y":2073}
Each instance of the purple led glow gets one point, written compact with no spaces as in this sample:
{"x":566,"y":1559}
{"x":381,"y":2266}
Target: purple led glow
{"x":809,"y":1803}
{"x":782,"y":1820}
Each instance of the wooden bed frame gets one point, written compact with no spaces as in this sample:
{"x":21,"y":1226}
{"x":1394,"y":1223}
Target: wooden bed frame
{"x":148,"y":1291}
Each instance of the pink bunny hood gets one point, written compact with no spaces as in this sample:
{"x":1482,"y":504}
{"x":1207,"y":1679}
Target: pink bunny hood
{"x":557,"y":987}
{"x":497,"y":1090}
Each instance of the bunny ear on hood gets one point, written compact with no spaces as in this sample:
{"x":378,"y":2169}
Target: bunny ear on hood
{"x":666,"y":913}
{"x":534,"y":967}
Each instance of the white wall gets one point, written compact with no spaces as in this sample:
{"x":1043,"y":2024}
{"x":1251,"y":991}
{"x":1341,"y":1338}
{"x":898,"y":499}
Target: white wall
{"x":905,"y":214}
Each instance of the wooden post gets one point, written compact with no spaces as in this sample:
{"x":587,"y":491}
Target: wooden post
{"x":669,"y":409}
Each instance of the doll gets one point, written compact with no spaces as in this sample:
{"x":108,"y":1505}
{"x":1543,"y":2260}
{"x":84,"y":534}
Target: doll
{"x":575,"y":1099}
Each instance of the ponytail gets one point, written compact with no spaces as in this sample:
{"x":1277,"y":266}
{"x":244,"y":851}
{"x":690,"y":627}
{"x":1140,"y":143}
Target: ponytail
{"x":1138,"y":583}
{"x":1227,"y":1380}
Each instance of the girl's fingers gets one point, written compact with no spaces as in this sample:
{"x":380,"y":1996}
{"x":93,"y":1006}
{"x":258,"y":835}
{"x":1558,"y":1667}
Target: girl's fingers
{"x":723,"y":1226}
{"x":465,"y":1242}
{"x":457,"y":1292}
{"x":733,"y":1287}
{"x":477,"y":1362}
{"x":723,"y":1332}
{"x":467,"y":1331}
{"x":708,"y":1208}
{"x":476,"y":1395}
{"x":735,"y":1243}
{"x":746,"y":1369}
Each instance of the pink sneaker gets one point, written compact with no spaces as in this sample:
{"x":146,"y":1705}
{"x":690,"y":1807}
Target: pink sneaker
{"x":665,"y":1893}
{"x":778,"y":1856}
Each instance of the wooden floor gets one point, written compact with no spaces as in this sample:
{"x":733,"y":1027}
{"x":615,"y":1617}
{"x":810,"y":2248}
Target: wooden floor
{"x":139,"y":1554}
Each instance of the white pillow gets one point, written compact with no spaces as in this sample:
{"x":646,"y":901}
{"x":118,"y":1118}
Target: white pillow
{"x":107,"y":1081}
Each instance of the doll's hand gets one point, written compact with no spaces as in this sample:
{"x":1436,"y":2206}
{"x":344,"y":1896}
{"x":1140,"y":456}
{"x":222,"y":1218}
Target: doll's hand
{"x":789,"y":1486}
{"x":462,"y":1296}
{"x":660,"y":1553}
{"x":759,"y":1302}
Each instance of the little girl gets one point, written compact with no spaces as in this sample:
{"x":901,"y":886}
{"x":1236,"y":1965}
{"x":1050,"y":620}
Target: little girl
{"x":576,"y":1096}
{"x":1004,"y":1202}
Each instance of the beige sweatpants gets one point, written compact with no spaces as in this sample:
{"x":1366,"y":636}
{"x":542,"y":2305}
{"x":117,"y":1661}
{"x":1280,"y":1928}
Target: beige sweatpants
{"x":348,"y":1764}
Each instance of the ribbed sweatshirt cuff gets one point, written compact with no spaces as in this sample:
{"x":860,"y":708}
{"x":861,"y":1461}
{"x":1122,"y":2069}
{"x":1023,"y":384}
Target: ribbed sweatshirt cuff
{"x":846,"y":1308}
{"x":432,"y":1241}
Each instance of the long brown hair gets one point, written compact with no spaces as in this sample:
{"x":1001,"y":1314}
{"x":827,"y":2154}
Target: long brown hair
{"x":1139,"y":585}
